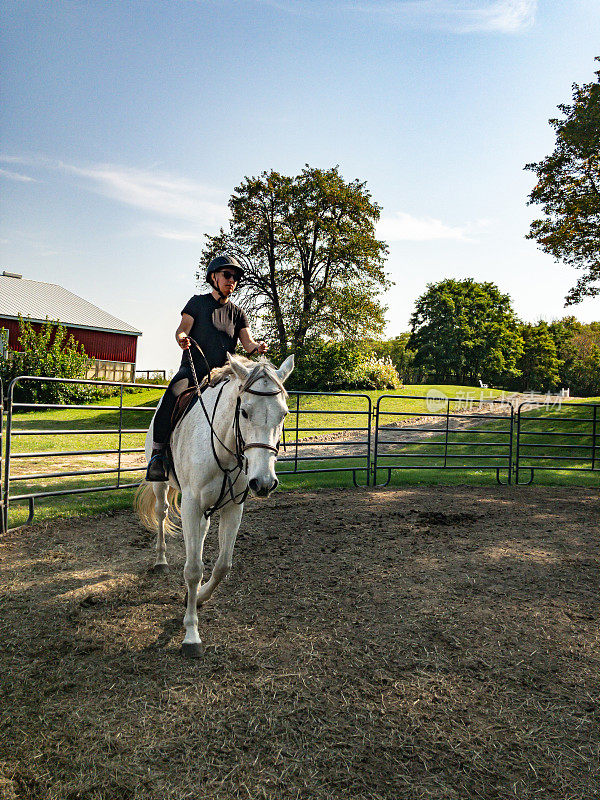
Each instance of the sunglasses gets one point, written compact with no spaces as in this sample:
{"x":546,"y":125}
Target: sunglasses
{"x":227,"y":274}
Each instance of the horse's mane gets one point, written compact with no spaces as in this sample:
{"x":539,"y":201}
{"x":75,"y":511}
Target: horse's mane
{"x":219,"y":374}
{"x":262,"y":369}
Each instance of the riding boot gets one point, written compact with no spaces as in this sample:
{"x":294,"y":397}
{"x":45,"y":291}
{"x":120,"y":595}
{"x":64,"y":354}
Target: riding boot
{"x":156,"y":466}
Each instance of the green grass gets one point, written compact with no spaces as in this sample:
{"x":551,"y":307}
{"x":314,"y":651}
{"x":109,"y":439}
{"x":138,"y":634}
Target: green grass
{"x":318,"y":412}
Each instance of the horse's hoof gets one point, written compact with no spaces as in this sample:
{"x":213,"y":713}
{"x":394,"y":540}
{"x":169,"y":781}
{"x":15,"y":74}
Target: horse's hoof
{"x":192,"y":650}
{"x":159,"y":569}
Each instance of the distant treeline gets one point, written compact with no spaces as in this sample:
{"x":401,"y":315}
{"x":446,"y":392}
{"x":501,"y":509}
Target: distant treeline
{"x":462,"y":332}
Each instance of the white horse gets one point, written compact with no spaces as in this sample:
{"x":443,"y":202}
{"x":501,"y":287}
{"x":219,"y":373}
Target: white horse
{"x":224,"y":447}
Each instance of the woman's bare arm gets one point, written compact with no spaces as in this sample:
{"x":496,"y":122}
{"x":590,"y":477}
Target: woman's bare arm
{"x":181,"y":334}
{"x":249,"y":344}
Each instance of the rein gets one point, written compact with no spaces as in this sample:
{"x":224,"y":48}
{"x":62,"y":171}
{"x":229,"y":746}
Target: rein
{"x":227,"y":493}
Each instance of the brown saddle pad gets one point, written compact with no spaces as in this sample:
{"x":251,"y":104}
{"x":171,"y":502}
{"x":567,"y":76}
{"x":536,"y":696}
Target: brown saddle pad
{"x":182,"y":405}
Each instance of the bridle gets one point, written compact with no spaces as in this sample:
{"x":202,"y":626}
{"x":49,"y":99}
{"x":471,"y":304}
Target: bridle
{"x":227,"y":493}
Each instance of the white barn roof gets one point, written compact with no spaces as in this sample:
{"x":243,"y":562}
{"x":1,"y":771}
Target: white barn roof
{"x":40,"y":301}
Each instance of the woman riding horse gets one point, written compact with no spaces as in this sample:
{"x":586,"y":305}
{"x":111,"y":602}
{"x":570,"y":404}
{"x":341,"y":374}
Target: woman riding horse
{"x":216,"y":324}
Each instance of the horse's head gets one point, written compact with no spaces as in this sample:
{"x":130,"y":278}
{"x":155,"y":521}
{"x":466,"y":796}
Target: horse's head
{"x":261,"y":411}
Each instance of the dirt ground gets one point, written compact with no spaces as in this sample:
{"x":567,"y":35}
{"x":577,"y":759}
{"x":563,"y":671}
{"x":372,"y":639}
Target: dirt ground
{"x":393,"y":644}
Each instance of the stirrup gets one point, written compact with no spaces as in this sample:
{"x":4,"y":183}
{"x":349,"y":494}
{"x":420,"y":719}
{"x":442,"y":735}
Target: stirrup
{"x":156,"y":468}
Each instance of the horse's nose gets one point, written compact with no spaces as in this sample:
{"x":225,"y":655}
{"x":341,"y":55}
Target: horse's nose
{"x":262,"y":489}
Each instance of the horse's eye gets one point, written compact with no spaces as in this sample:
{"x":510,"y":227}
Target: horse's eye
{"x":244,"y":413}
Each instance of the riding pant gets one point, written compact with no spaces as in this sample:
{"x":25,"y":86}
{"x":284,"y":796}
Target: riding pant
{"x":181,"y":381}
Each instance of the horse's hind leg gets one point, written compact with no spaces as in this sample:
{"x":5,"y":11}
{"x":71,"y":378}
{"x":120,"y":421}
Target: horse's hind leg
{"x":161,"y":507}
{"x":195,"y":527}
{"x":231,"y":516}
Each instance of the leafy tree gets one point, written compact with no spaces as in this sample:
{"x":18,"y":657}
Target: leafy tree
{"x":47,"y":352}
{"x":578,"y":347}
{"x":464,"y":331}
{"x":568,"y":190}
{"x":539,"y":364}
{"x":325,"y":366}
{"x":314,"y":266}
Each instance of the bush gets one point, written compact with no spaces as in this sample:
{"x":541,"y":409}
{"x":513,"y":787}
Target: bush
{"x":52,"y":353}
{"x":330,"y":366}
{"x":376,"y":373}
{"x":397,"y":351}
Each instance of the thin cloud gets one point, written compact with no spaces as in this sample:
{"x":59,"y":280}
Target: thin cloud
{"x":176,"y":235}
{"x":504,"y":16}
{"x":16,"y":176}
{"x":402,"y":227}
{"x":151,"y":190}
{"x":289,"y":7}
{"x":154,"y":191}
{"x":459,"y":16}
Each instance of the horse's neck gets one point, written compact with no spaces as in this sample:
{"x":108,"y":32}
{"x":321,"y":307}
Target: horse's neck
{"x":222,"y":421}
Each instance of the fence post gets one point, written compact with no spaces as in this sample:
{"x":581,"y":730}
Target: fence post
{"x":2,"y":521}
{"x":297,"y":425}
{"x":447,"y":430}
{"x":376,"y":443}
{"x":518,"y":444}
{"x":594,"y":431}
{"x":510,"y":444}
{"x":369,"y":424}
{"x":9,"y":402}
{"x":120,"y":436}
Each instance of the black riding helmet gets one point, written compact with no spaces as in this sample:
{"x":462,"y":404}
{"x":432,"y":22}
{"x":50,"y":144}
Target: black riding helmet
{"x":222,"y":262}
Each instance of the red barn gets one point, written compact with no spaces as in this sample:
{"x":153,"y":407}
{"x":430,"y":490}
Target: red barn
{"x":108,"y":340}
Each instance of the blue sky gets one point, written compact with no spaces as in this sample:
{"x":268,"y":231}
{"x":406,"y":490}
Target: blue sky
{"x":126,"y":125}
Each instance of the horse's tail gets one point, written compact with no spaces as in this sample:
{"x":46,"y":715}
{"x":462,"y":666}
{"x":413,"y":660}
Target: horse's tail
{"x":173,"y":520}
{"x":145,"y":507}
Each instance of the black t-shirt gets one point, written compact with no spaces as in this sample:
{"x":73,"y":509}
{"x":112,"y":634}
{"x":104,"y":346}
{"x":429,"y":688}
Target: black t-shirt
{"x":216,"y":329}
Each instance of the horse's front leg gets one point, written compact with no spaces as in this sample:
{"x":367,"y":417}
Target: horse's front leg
{"x":231,"y":516}
{"x":195,"y":528}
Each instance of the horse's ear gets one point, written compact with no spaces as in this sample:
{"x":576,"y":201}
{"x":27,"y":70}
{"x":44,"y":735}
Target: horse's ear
{"x":239,"y":370}
{"x":285,"y":370}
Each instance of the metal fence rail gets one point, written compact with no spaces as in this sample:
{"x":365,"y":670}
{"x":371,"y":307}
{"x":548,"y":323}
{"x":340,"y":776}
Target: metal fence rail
{"x":291,"y":439}
{"x":444,"y":447}
{"x":7,"y":496}
{"x":293,"y":464}
{"x":448,"y":437}
{"x":536,"y":443}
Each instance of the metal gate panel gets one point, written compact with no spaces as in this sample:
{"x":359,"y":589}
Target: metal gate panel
{"x":291,"y":439}
{"x":541,"y":441}
{"x":119,"y":431}
{"x":438,"y":443}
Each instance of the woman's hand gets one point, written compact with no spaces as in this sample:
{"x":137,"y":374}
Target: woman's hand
{"x":183,"y":341}
{"x":262,"y":347}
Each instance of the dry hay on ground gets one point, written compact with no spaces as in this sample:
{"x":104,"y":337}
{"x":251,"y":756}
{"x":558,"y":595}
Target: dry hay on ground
{"x":400,"y":644}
